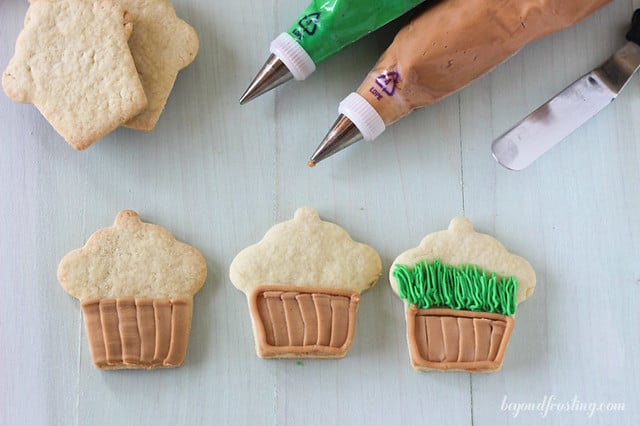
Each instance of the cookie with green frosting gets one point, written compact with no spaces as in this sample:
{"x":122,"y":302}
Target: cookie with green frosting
{"x":460,"y":289}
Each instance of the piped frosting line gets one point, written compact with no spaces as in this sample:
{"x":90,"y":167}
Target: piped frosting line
{"x":137,"y":333}
{"x":300,"y":322}
{"x":466,"y":287}
{"x":447,"y":339}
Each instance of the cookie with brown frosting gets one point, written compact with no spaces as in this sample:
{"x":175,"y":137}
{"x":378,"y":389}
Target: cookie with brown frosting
{"x":136,"y":284}
{"x":460,"y":289}
{"x":303,"y":282}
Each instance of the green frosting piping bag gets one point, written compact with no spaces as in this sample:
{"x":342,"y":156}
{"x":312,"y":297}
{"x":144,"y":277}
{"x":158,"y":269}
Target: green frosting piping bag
{"x":323,"y":29}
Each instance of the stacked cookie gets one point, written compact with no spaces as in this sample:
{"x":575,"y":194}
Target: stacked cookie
{"x":92,"y":66}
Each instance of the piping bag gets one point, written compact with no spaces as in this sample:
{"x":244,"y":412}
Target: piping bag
{"x":445,"y":48}
{"x":323,"y":29}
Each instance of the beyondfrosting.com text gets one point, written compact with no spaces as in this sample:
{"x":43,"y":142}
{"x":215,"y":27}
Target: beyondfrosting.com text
{"x":553,"y":404}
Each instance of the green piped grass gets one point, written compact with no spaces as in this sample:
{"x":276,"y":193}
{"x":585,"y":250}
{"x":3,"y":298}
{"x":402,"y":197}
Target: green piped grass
{"x":466,"y":287}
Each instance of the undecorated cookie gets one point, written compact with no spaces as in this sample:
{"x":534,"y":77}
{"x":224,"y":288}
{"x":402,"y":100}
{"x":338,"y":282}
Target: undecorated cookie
{"x":161,"y":44}
{"x":135,"y":283}
{"x":72,"y":61}
{"x":303,"y":282}
{"x":460,"y":289}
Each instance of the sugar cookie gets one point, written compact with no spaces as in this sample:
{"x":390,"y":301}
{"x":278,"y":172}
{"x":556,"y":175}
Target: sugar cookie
{"x":136,"y":285}
{"x":72,"y":61}
{"x":460,"y":289}
{"x":303,"y":282}
{"x":161,"y":44}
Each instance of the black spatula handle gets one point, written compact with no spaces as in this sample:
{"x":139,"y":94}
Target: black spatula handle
{"x":634,"y":32}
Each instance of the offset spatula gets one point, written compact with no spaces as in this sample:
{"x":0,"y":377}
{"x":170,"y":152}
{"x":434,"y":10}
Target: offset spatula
{"x":555,"y":120}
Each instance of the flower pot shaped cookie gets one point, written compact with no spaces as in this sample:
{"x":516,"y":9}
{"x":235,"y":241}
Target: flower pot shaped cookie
{"x":460,"y":289}
{"x":303,"y":282}
{"x":136,"y":285}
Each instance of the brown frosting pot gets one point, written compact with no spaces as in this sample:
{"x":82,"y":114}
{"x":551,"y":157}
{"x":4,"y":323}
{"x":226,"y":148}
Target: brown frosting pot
{"x":138,"y":332}
{"x":448,"y":339}
{"x":299,"y":322}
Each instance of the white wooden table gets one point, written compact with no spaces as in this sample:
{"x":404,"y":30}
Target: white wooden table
{"x":218,"y":175}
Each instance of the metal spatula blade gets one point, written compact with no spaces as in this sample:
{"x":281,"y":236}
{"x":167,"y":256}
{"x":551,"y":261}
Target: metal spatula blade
{"x":560,"y":116}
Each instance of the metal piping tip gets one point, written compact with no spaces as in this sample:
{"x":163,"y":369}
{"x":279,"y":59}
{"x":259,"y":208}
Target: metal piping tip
{"x":273,"y":73}
{"x":342,"y":134}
